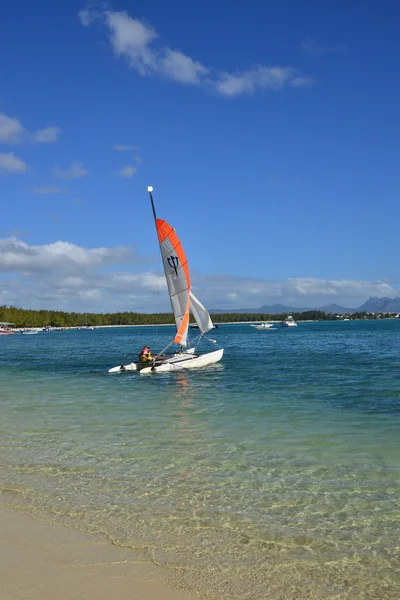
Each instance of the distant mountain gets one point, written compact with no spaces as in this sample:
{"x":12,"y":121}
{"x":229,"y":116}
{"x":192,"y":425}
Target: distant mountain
{"x":374,"y":304}
{"x":336,"y":309}
{"x":371,"y":305}
{"x":274,"y":309}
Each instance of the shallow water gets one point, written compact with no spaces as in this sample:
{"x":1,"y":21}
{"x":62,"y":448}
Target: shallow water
{"x":273,"y":474}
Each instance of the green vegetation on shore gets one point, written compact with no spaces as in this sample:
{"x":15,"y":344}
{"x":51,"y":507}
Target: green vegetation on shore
{"x":21,"y":317}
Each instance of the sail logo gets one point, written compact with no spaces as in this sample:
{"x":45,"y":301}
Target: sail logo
{"x":173,"y":262}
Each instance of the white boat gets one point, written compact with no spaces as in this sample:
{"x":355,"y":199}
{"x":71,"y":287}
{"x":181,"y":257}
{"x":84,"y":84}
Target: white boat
{"x":5,"y":328}
{"x":289,"y":322}
{"x":30,"y":332}
{"x":263,"y":326}
{"x":183,"y":301}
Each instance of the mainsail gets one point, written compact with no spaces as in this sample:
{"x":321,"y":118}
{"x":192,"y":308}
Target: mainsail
{"x":178,"y":279}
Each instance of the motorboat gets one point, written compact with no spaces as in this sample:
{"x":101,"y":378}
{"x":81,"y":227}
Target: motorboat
{"x":5,"y":328}
{"x":289,"y":322}
{"x":263,"y":326}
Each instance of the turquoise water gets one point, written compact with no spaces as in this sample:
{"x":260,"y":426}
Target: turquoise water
{"x":273,"y":474}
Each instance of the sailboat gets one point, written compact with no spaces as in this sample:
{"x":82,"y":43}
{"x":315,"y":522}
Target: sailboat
{"x":183,"y":301}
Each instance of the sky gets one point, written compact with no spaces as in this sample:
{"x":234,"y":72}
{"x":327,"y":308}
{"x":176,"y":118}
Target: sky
{"x":270,"y":132}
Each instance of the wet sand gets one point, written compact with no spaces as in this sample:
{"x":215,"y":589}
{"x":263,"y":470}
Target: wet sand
{"x":41,"y":561}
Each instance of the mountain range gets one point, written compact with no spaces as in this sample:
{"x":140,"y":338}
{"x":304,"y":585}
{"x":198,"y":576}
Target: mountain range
{"x":373,"y":304}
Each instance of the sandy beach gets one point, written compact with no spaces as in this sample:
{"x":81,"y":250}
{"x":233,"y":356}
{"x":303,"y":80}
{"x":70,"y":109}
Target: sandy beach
{"x":40,"y":561}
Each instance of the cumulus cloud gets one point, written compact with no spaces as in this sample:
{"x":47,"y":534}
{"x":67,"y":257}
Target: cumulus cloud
{"x":11,"y":130}
{"x":128,"y":171}
{"x":46,"y":135}
{"x":17,"y":256}
{"x":86,"y":17}
{"x":74,"y":171}
{"x":306,"y":292}
{"x":9,"y":163}
{"x":260,"y":78}
{"x":65,"y":275}
{"x":61,"y":274}
{"x":136,"y":42}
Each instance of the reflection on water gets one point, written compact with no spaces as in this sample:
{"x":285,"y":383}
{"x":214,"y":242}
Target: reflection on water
{"x":275,"y":478}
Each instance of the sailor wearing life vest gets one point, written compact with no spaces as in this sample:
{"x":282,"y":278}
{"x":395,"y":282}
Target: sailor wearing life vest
{"x":145,"y":355}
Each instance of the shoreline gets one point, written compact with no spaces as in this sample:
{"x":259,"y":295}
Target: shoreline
{"x":43,"y":561}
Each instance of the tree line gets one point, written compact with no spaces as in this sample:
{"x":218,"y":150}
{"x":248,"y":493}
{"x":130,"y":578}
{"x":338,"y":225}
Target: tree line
{"x":22,"y":317}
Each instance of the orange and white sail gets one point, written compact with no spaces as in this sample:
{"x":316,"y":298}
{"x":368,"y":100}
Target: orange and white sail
{"x":178,"y":279}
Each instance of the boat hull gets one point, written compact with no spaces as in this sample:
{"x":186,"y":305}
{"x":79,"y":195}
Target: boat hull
{"x":172,"y":359}
{"x":191,"y":362}
{"x":122,"y":368}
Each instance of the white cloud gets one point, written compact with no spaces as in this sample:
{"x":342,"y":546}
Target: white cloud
{"x":86,"y":17}
{"x":64,"y":275}
{"x":49,"y":189}
{"x":124,"y":148}
{"x":9,"y":163}
{"x":71,"y":277}
{"x":307,"y":292}
{"x":131,"y":38}
{"x":46,"y":135}
{"x":313,"y":47}
{"x":11,"y":130}
{"x":128,"y":171}
{"x":136,"y":41}
{"x":74,"y":171}
{"x":17,"y":256}
{"x":259,"y":78}
{"x":182,"y":68}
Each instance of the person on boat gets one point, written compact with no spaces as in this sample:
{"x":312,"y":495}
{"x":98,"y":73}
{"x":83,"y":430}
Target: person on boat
{"x":145,"y":355}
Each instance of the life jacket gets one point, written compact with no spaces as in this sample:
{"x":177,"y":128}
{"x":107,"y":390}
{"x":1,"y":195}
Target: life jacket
{"x":145,"y":356}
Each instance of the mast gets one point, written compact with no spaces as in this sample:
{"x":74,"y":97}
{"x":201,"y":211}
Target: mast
{"x":150,"y":190}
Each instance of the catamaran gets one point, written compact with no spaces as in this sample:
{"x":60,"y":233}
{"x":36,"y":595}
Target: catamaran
{"x":183,"y":301}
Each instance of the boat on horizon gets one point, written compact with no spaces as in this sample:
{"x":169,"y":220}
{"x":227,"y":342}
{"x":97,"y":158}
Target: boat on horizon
{"x":289,"y":322}
{"x":263,"y":326}
{"x":183,"y":301}
{"x":5,"y":328}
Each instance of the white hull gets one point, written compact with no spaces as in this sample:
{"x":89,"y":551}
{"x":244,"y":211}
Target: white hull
{"x":289,"y":322}
{"x":122,"y":368}
{"x":187,"y":362}
{"x":262,"y":326}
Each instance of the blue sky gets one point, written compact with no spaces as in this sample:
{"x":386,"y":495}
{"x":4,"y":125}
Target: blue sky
{"x":269,"y":131}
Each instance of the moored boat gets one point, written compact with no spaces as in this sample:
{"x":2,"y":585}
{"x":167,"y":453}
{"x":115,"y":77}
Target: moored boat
{"x":5,"y":328}
{"x":263,"y":326}
{"x":289,"y":322}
